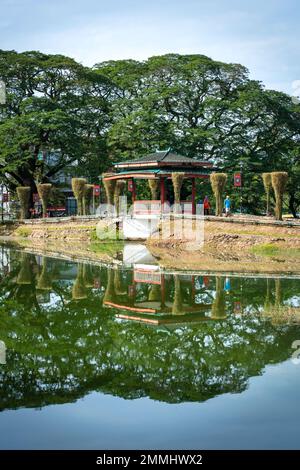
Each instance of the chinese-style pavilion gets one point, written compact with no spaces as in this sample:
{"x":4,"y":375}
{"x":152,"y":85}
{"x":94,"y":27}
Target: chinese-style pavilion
{"x":159,"y":166}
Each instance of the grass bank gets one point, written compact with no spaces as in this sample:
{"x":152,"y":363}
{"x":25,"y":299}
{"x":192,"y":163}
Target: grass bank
{"x":230,"y":247}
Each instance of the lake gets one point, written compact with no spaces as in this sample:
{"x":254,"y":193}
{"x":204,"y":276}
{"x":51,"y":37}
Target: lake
{"x":132,"y":357}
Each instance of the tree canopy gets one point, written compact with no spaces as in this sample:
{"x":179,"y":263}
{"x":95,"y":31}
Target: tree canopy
{"x":116,"y":110}
{"x":53,"y":105}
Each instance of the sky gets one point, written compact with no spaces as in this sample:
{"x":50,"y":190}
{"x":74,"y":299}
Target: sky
{"x":263,"y":35}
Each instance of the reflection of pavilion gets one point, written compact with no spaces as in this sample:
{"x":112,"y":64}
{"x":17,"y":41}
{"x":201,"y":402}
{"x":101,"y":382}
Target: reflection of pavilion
{"x":154,"y":297}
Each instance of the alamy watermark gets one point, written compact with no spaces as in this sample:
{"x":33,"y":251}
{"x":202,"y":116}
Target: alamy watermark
{"x":296,"y":91}
{"x":152,"y":219}
{"x":2,"y":92}
{"x":296,"y":354}
{"x":2,"y":352}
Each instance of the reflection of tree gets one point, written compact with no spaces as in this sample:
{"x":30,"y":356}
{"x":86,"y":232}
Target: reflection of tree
{"x":268,"y":295}
{"x":218,"y":306}
{"x":44,"y":281}
{"x":154,"y":293}
{"x":25,"y":273}
{"x":278,"y":296}
{"x":177,"y":303}
{"x":110,"y":287}
{"x":79,"y":291}
{"x":88,"y":277}
{"x":71,"y":348}
{"x":118,"y":282}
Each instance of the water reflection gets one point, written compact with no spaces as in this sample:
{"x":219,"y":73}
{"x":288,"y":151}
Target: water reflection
{"x":70,"y":328}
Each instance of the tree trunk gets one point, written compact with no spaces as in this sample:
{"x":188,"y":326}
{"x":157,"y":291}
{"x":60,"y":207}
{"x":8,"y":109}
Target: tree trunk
{"x":293,"y":205}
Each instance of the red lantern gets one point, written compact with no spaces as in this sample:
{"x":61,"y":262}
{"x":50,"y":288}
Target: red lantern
{"x":237,"y":179}
{"x":130,"y":185}
{"x":96,"y":190}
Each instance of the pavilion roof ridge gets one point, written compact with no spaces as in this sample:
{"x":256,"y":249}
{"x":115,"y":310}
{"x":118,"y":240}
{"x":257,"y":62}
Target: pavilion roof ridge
{"x":162,"y":157}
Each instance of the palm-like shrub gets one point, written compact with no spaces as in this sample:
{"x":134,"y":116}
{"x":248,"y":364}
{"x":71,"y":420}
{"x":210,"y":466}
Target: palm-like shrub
{"x":118,"y":190}
{"x":279,"y":181}
{"x":87,"y":198}
{"x":109,"y":186}
{"x":267,"y":180}
{"x":23,"y":193}
{"x":154,"y":188}
{"x":78,"y":188}
{"x":218,"y":181}
{"x":177,"y":180}
{"x":44,"y":191}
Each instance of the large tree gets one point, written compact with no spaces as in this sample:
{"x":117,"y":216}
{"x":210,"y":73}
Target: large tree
{"x":117,"y":110}
{"x":208,"y":110}
{"x":55,"y":108}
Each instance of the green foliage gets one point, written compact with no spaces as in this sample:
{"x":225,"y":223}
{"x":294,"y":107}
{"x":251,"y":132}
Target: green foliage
{"x":44,"y":191}
{"x":23,"y":231}
{"x":279,"y":182}
{"x":81,"y":342}
{"x":24,"y":193}
{"x":208,"y":110}
{"x":218,"y":181}
{"x":270,"y":249}
{"x":55,"y":106}
{"x":117,"y":110}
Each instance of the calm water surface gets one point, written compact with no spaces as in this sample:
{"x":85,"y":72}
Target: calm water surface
{"x":129,"y":357}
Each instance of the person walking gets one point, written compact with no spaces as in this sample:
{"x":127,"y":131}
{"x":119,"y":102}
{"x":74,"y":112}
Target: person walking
{"x":227,"y":204}
{"x":206,"y":205}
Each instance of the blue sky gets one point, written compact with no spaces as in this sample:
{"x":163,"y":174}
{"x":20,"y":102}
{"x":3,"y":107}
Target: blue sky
{"x":263,"y":35}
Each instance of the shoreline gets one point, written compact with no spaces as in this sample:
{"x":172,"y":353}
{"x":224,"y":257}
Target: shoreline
{"x":229,"y":247}
{"x":116,"y":263}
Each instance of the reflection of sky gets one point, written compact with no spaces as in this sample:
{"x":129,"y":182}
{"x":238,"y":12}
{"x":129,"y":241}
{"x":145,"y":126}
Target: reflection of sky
{"x":264,"y":36}
{"x":250,"y":419}
{"x":294,"y":301}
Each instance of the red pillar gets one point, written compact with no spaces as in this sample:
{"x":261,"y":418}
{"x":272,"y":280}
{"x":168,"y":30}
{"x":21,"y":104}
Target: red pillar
{"x":193,"y":290}
{"x":133,"y":190}
{"x":163,"y":292}
{"x":162,"y":192}
{"x":194,"y":196}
